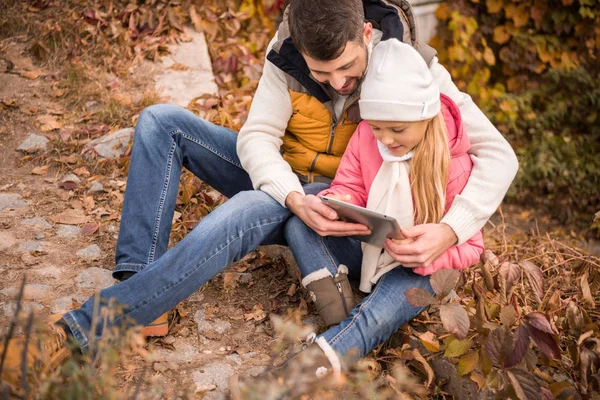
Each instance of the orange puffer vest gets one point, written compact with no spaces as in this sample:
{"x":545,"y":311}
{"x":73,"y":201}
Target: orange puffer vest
{"x":315,"y":139}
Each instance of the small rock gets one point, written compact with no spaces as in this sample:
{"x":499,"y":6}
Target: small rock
{"x":235,"y":358}
{"x":64,"y":304}
{"x":160,"y":367}
{"x":92,"y":252}
{"x":184,"y":332}
{"x":40,"y":236}
{"x":249,"y":355}
{"x":216,"y":325}
{"x":52,"y":272}
{"x":32,"y":246}
{"x":12,"y":200}
{"x":92,"y":105}
{"x":245,"y":277}
{"x":9,"y":308}
{"x":68,"y":231}
{"x":10,"y":291}
{"x":184,"y":352}
{"x":215,"y":395}
{"x":255,"y":371}
{"x":33,"y":143}
{"x":35,"y":291}
{"x":169,"y":340}
{"x":96,"y":188}
{"x":207,"y":351}
{"x":216,"y":373}
{"x":38,"y":222}
{"x":95,"y":278}
{"x":205,"y":388}
{"x":110,"y":146}
{"x":6,"y":240}
{"x":71,"y":178}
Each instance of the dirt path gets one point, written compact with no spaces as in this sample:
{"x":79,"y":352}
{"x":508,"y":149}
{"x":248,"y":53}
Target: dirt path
{"x":59,"y":220}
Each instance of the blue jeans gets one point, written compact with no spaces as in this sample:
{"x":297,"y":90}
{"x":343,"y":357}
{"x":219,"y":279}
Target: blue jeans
{"x":380,"y":314}
{"x":166,"y":139}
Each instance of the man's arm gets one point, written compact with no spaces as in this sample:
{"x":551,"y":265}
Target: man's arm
{"x":260,"y":138}
{"x":494,"y":164}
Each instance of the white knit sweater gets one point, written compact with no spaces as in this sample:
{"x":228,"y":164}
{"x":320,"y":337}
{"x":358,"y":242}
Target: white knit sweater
{"x":494,"y":162}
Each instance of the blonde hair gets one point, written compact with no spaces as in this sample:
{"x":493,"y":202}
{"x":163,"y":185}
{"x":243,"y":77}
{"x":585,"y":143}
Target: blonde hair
{"x":429,"y":173}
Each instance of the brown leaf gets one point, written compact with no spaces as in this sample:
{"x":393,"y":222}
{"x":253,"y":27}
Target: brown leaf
{"x":88,"y":203}
{"x":508,"y":316}
{"x":230,"y":280}
{"x":535,"y":276}
{"x":455,"y":319}
{"x":48,"y":123}
{"x":419,"y":358}
{"x":292,"y":290}
{"x":586,"y":293}
{"x":524,"y":384}
{"x":81,"y":171}
{"x":521,"y":344}
{"x":418,"y":297}
{"x":478,"y":378}
{"x":575,"y":316}
{"x":444,"y":280}
{"x":57,"y":93}
{"x":257,"y":314}
{"x":43,"y":170}
{"x":495,"y":346}
{"x":89,"y":229}
{"x":68,"y":185}
{"x":10,"y":103}
{"x":70,"y":217}
{"x":508,"y":274}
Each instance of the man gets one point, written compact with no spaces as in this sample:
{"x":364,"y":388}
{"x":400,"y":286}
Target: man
{"x":301,"y":119}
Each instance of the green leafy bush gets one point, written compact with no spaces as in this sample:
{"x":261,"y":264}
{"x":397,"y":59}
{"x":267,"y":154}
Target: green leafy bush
{"x":532,"y":66}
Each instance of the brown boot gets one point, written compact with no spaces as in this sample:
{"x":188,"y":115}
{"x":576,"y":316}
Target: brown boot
{"x":333,"y":297}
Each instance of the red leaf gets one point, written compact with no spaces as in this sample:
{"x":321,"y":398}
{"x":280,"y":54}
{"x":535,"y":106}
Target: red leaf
{"x":539,"y":321}
{"x":510,"y":273}
{"x":494,"y":345}
{"x":444,"y":280}
{"x":455,"y":320}
{"x":418,"y":297}
{"x":544,"y":341}
{"x":89,"y":229}
{"x":521,"y":345}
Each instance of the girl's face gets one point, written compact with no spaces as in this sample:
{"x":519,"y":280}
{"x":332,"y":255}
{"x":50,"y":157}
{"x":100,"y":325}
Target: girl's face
{"x":399,"y":137}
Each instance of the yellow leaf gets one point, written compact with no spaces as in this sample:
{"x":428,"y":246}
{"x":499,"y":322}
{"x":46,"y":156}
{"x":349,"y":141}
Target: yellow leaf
{"x":488,"y":56}
{"x":43,"y":170}
{"x":494,"y":6}
{"x":501,"y":34}
{"x":478,"y":378}
{"x":521,"y":16}
{"x":468,"y":363}
{"x":430,"y":342}
{"x":457,"y":348}
{"x":456,"y":53}
{"x":36,"y":73}
{"x":443,"y":12}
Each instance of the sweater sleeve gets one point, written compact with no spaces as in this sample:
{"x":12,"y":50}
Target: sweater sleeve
{"x":494,"y":164}
{"x":260,"y":138}
{"x":348,"y":178}
{"x":456,"y":257}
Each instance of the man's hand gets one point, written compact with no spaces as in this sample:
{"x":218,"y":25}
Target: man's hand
{"x":320,"y":217}
{"x":422,"y":244}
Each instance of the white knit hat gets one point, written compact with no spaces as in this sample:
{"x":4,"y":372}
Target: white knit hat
{"x":398,"y":85}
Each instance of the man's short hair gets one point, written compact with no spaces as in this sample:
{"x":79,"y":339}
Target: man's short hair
{"x":322,"y":28}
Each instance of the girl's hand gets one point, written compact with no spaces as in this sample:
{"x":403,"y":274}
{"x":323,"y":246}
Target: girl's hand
{"x":392,"y":246}
{"x":429,"y":241}
{"x":340,"y":197}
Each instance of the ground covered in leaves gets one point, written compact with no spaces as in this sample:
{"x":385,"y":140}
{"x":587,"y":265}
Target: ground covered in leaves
{"x":524,"y":323}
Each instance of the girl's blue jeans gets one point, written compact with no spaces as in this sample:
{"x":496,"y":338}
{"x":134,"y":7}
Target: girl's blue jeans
{"x":168,"y":138}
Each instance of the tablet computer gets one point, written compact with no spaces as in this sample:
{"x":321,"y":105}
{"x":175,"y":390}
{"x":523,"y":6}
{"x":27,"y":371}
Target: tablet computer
{"x":382,"y":226}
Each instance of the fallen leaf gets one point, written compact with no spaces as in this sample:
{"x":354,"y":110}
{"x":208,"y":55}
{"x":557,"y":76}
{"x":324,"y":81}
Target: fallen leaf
{"x":468,"y":363}
{"x":230,"y":280}
{"x":176,"y":214}
{"x":43,"y":170}
{"x":57,"y":93}
{"x":81,"y":171}
{"x":89,"y":228}
{"x":88,"y":203}
{"x":292,"y":290}
{"x":3,"y":129}
{"x":257,"y":314}
{"x":455,"y":320}
{"x":9,"y":103}
{"x":36,"y":73}
{"x":524,"y":384}
{"x":48,"y":123}
{"x":70,"y":217}
{"x":457,"y":348}
{"x":430,"y":342}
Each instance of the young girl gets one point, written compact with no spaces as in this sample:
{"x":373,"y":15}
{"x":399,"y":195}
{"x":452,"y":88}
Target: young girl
{"x":407,"y":159}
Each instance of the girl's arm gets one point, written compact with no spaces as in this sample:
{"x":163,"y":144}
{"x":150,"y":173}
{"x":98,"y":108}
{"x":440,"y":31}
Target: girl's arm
{"x":456,"y":257}
{"x":349,"y":178}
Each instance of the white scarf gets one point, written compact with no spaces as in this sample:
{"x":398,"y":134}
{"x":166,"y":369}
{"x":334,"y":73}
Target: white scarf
{"x":390,"y":194}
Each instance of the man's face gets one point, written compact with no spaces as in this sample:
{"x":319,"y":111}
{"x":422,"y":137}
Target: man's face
{"x":344,"y":73}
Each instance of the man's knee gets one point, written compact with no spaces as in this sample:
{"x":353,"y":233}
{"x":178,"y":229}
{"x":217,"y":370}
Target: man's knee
{"x":159,"y":119}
